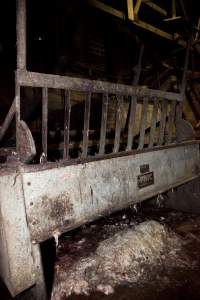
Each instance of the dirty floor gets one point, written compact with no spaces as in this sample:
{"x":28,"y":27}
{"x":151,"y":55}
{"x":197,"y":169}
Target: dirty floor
{"x":165,"y":284}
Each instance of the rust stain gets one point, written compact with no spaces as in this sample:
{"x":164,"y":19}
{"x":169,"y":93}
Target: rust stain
{"x":57,"y":207}
{"x":54,"y":213}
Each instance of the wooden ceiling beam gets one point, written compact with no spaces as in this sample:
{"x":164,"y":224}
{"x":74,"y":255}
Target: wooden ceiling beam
{"x":117,"y":13}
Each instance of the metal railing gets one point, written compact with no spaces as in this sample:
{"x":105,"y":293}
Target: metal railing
{"x":121,"y":136}
{"x":135,"y":95}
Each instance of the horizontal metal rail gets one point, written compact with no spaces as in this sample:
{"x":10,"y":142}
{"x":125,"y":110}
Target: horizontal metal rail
{"x":111,"y":93}
{"x":33,"y":79}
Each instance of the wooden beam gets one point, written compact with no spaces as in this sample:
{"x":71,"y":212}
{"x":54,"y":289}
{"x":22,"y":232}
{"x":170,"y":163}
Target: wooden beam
{"x":154,"y":29}
{"x":107,"y":8}
{"x":139,"y":23}
{"x":130,"y":10}
{"x":155,"y":7}
{"x":137,"y":6}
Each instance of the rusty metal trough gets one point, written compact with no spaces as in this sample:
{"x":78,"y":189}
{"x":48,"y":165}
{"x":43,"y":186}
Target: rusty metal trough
{"x":41,"y":201}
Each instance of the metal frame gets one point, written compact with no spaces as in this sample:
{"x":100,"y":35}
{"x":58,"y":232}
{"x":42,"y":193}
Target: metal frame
{"x":26,"y":78}
{"x":50,"y":198}
{"x":73,"y":195}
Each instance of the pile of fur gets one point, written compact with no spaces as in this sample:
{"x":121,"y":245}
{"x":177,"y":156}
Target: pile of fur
{"x":128,"y":256}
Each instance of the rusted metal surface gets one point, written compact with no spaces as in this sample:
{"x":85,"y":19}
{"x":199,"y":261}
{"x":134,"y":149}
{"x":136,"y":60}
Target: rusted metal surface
{"x":76,"y":194}
{"x":27,"y":148}
{"x":16,"y":262}
{"x":25,"y":78}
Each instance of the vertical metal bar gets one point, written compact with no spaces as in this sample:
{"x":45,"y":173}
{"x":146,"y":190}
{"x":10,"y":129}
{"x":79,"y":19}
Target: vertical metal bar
{"x":104,"y":115}
{"x":153,"y":123}
{"x":67,"y":113}
{"x":21,"y":58}
{"x":86,"y":125}
{"x":179,"y":109}
{"x":171,"y":121}
{"x":163,"y":121}
{"x":131,"y":125}
{"x":143,"y":123}
{"x":21,"y":34}
{"x":118,"y":124}
{"x":44,"y":122}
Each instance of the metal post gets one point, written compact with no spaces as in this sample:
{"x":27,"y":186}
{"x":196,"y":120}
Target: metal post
{"x":153,"y":123}
{"x":104,"y":116}
{"x":21,"y":58}
{"x":143,"y":123}
{"x":118,"y":124}
{"x":21,"y":34}
{"x":86,"y":125}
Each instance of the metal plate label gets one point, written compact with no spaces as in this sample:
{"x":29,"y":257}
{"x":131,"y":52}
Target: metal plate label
{"x":146,"y":179}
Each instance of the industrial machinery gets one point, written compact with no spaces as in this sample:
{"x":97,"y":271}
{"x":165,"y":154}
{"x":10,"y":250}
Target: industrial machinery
{"x":42,"y":200}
